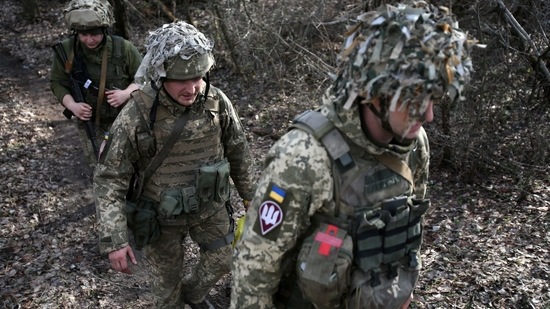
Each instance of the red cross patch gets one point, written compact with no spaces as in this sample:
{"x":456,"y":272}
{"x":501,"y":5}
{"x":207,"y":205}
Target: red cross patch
{"x":328,"y":240}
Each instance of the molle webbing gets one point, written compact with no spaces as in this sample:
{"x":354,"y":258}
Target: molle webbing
{"x":384,"y":232}
{"x":324,"y":131}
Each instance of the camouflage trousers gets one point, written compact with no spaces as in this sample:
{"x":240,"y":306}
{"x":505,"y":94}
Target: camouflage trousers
{"x":174,"y":277}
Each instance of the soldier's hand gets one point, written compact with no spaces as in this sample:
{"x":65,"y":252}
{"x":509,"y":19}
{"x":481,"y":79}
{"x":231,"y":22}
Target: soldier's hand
{"x":82,"y":111}
{"x":118,"y":259}
{"x":246,"y":203}
{"x":407,"y":303}
{"x":117,"y":97}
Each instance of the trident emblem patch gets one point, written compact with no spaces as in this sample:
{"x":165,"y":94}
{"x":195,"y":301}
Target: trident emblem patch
{"x":271,"y":215}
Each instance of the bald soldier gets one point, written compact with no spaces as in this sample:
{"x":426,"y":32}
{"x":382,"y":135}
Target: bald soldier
{"x":184,"y":138}
{"x":336,"y":221}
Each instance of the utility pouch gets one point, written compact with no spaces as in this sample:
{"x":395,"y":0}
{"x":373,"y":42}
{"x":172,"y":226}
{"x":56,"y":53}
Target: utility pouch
{"x":213,"y":183}
{"x":175,"y":201}
{"x":222,"y":182}
{"x":324,"y":265}
{"x":189,"y":199}
{"x":142,"y":221}
{"x":395,"y":230}
{"x":418,"y":208}
{"x":171,"y":203}
{"x":146,"y":144}
{"x":369,"y":241}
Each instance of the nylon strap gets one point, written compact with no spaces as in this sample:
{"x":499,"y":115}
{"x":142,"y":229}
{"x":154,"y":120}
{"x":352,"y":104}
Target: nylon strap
{"x":397,"y":166}
{"x":225,"y":240}
{"x":69,"y":63}
{"x":102,"y":81}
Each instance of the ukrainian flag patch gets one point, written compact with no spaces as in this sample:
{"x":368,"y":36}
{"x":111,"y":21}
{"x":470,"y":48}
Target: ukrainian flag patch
{"x":277,"y":194}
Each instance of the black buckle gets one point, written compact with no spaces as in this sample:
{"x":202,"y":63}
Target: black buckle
{"x":375,"y":278}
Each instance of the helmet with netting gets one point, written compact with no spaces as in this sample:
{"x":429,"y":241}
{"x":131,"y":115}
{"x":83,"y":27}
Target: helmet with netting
{"x":410,"y":53}
{"x":175,"y":51}
{"x":88,"y":14}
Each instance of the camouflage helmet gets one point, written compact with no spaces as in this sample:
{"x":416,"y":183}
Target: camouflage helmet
{"x":88,"y":14}
{"x":176,"y":51}
{"x":411,"y":53}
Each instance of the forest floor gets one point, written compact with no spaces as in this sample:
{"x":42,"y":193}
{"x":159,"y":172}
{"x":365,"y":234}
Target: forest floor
{"x":486,"y":243}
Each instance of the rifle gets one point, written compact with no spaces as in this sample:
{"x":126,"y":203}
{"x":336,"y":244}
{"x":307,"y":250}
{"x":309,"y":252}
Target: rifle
{"x":78,"y":96}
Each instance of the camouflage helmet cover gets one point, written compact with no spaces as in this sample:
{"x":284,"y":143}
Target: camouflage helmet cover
{"x":88,"y":14}
{"x":411,"y":53}
{"x":177,"y":51}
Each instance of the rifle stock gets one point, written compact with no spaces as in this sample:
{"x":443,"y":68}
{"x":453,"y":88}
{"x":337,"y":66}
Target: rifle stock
{"x":78,"y":96}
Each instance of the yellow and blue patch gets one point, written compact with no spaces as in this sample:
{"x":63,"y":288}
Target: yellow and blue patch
{"x":271,"y":212}
{"x":277,"y":194}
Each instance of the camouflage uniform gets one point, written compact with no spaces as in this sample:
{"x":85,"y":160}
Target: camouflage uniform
{"x":212,"y":133}
{"x":304,"y":185}
{"x":123,"y":62}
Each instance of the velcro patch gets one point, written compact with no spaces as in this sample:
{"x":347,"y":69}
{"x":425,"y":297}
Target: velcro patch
{"x":328,"y":240}
{"x":271,"y":216}
{"x":271,"y":212}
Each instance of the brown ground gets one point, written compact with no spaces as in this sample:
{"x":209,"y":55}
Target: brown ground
{"x":486,"y":244}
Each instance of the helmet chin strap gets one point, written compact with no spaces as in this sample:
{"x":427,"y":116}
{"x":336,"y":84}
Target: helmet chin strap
{"x":383,"y":116}
{"x":207,"y":80}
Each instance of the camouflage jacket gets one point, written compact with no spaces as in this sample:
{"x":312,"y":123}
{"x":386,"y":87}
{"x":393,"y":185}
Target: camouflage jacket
{"x":121,"y":152}
{"x":298,"y":173}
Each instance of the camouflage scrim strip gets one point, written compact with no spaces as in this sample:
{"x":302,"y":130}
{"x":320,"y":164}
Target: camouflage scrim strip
{"x":177,"y":40}
{"x":410,"y":53}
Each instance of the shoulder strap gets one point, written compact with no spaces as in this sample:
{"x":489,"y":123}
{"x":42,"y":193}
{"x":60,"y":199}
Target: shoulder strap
{"x":314,"y":122}
{"x":70,"y":59}
{"x":118,"y":50}
{"x":324,"y":131}
{"x":397,"y":165}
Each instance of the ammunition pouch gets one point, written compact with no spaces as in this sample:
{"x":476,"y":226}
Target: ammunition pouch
{"x":175,"y":201}
{"x":386,"y":235}
{"x":324,"y":265}
{"x":146,"y":146}
{"x":213,"y":184}
{"x":142,"y":221}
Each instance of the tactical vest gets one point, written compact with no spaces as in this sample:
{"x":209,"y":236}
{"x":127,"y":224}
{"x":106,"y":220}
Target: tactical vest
{"x":116,"y":77}
{"x":199,"y":144}
{"x":375,"y":204}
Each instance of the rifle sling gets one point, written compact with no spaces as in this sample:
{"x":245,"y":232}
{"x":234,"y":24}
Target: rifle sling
{"x":69,"y":63}
{"x":101,"y":90}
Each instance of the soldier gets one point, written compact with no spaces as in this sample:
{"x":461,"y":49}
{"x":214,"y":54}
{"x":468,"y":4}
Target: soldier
{"x":185,"y":139}
{"x":103,"y":65}
{"x":336,"y":219}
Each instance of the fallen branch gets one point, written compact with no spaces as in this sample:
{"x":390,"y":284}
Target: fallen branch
{"x":166,"y":10}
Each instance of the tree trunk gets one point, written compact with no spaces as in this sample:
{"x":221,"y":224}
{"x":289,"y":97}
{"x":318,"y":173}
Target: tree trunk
{"x":30,"y":9}
{"x":122,"y":25}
